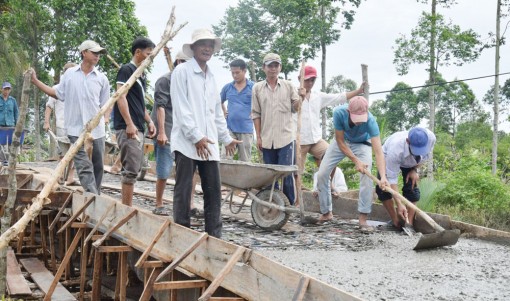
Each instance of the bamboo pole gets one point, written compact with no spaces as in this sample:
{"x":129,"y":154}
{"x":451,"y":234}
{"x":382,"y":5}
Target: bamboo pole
{"x":364,"y":76}
{"x":299,"y":193}
{"x":168,"y":58}
{"x":14,"y":151}
{"x":42,"y":197}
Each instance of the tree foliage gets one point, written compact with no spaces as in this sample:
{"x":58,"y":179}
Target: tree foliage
{"x":294,"y":29}
{"x":452,"y":45}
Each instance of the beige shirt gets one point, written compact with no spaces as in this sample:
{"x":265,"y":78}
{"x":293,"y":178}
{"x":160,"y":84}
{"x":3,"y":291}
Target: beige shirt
{"x":274,"y":108}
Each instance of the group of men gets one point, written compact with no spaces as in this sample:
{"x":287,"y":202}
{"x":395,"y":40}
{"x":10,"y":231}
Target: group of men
{"x":190,"y":120}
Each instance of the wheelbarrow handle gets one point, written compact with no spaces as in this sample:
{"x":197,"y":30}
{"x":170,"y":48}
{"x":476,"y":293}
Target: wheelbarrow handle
{"x":397,"y":195}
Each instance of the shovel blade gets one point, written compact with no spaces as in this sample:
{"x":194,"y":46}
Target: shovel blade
{"x":438,"y":239}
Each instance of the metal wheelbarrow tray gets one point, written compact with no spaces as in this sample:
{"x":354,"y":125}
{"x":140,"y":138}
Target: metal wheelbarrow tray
{"x":270,"y":208}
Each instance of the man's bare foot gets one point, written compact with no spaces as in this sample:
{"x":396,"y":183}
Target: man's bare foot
{"x":326,"y":217}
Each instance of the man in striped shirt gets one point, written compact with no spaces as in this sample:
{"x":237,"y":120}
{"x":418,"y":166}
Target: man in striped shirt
{"x":273,"y":102}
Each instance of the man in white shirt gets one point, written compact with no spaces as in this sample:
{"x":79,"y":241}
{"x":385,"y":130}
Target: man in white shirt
{"x":405,"y":151}
{"x":336,"y":177}
{"x":198,"y":127}
{"x":85,"y":90}
{"x":313,"y":103}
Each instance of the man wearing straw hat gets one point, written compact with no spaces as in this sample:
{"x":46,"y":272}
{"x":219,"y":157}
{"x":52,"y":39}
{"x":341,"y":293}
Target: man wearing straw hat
{"x":198,"y":127}
{"x":85,"y":90}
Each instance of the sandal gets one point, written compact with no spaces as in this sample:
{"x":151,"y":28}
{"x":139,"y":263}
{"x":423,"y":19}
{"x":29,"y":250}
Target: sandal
{"x":366,"y":228}
{"x":160,"y":211}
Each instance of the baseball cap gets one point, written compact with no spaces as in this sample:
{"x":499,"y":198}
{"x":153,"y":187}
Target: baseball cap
{"x":92,"y":46}
{"x":418,"y":141}
{"x":6,"y":85}
{"x":358,"y":109}
{"x":271,"y":58}
{"x":310,"y":72}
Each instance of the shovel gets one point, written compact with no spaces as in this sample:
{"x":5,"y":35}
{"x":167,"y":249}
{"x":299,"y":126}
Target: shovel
{"x":56,"y":141}
{"x":440,"y":238}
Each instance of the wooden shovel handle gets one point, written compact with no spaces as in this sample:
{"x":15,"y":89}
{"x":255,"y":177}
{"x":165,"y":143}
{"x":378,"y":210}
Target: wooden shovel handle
{"x":397,"y":195}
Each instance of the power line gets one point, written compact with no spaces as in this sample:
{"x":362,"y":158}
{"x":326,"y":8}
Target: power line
{"x":438,"y":84}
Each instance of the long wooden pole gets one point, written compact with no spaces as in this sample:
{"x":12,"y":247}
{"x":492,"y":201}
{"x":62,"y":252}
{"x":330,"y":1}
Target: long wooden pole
{"x":14,"y":151}
{"x":42,"y":197}
{"x":299,"y":193}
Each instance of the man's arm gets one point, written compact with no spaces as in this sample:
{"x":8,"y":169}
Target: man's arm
{"x":256,"y":123}
{"x":42,"y":86}
{"x":340,"y":140}
{"x":16,"y":112}
{"x":151,"y":128}
{"x":224,"y":109}
{"x":131,"y":130}
{"x":160,"y":117}
{"x":358,"y":91}
{"x":379,"y":159}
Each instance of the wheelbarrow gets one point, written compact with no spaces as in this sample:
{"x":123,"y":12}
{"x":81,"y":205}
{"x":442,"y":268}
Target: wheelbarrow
{"x":270,"y":208}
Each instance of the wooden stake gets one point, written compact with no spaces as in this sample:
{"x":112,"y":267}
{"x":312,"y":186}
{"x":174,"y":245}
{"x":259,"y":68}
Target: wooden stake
{"x":60,"y":212}
{"x":299,"y":193}
{"x":149,"y":286}
{"x":301,"y":289}
{"x":185,"y":254}
{"x":364,"y":75}
{"x":41,"y":199}
{"x":99,"y":222}
{"x":222,"y":274}
{"x":75,"y":215}
{"x":147,"y":251}
{"x":124,"y":220}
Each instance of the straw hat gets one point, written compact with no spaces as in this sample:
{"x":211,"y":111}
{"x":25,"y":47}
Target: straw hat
{"x":201,"y":34}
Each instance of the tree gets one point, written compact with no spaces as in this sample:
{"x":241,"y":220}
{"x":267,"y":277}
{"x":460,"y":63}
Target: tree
{"x":438,"y":43}
{"x":400,"y":110}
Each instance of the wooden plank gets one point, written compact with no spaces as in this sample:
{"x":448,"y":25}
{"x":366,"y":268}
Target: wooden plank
{"x":301,"y":289}
{"x":158,"y":234}
{"x":222,"y":274}
{"x":43,"y":278}
{"x":119,"y":224}
{"x":76,"y":213}
{"x":149,"y":285}
{"x":226,"y":299}
{"x":107,"y":212}
{"x":259,"y":278}
{"x":114,"y":249}
{"x":183,"y":284}
{"x":25,"y":197}
{"x":16,"y":284}
{"x":183,"y":256}
{"x":484,"y":233}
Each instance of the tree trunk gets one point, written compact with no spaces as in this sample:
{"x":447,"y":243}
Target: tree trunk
{"x":324,"y":114}
{"x":432,"y":71}
{"x":496,"y":94}
{"x":37,"y":123}
{"x":14,"y":151}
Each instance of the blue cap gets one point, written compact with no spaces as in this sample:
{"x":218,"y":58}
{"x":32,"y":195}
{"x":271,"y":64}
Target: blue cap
{"x":6,"y":85}
{"x":418,"y":141}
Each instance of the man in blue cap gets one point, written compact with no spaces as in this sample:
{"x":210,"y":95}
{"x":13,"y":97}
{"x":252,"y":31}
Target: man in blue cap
{"x":8,"y":107}
{"x":405,"y":151}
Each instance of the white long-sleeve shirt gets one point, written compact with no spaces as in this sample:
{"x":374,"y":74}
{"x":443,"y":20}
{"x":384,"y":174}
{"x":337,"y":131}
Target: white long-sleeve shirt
{"x":311,"y":114}
{"x":197,"y":111}
{"x":396,"y":153}
{"x":338,"y":183}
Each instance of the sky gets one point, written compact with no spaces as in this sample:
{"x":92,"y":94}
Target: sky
{"x":378,"y":23}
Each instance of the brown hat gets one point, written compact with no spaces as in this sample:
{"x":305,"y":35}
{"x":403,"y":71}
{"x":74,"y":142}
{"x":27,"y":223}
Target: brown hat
{"x":271,"y":58}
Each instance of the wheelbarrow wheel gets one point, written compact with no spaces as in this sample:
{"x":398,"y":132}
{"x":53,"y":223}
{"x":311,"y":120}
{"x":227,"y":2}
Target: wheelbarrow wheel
{"x":269,"y":218}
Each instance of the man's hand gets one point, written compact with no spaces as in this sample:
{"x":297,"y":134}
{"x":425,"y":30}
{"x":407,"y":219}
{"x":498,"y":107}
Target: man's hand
{"x":131,"y":131}
{"x":414,"y":177}
{"x":402,"y":211}
{"x":302,"y":92}
{"x":46,"y":126}
{"x":34,"y":75}
{"x":259,"y":143}
{"x":162,"y":138}
{"x":202,"y":146}
{"x":383,"y":182}
{"x":360,"y":166}
{"x":152,"y":130}
{"x":231,"y":148}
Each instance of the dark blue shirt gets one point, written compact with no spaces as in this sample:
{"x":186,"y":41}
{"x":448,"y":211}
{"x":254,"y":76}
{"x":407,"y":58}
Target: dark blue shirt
{"x":239,"y":107}
{"x":8,"y":111}
{"x":357,"y":133}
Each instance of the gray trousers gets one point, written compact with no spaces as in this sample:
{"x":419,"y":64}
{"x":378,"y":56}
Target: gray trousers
{"x":211,"y":185}
{"x":90,"y":172}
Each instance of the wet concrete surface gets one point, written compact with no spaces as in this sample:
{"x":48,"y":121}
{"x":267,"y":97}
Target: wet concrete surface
{"x":373,"y":266}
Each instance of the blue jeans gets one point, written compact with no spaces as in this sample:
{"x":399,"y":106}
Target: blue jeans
{"x":89,"y":171}
{"x":331,"y":158}
{"x":164,"y":160}
{"x":282,"y":156}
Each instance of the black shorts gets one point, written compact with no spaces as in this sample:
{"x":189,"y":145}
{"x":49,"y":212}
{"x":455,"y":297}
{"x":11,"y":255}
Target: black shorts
{"x":413,"y":195}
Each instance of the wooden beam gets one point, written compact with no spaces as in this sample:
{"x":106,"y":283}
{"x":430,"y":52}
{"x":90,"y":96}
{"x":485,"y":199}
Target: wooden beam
{"x":226,"y":299}
{"x":114,"y":249}
{"x":176,"y":285}
{"x":75,"y":215}
{"x":42,"y":277}
{"x":60,"y":212}
{"x":301,"y":289}
{"x":124,"y":220}
{"x":63,"y":264}
{"x":16,"y":283}
{"x":147,"y":251}
{"x":149,"y":286}
{"x":183,"y":256}
{"x":26,"y":197}
{"x":219,"y":278}
{"x":98,"y":224}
